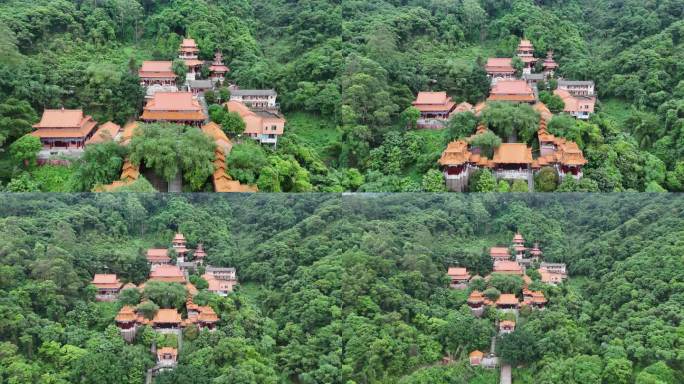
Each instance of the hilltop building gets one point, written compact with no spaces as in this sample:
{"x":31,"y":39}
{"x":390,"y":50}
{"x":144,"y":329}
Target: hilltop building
{"x":506,"y":327}
{"x":475,"y":358}
{"x":435,"y":109}
{"x":577,"y":88}
{"x":167,"y":358}
{"x":476,"y":303}
{"x":511,"y":161}
{"x":221,"y":280}
{"x":525,"y":52}
{"x":167,"y":273}
{"x":188,"y":52}
{"x":550,"y":65}
{"x":158,"y":256}
{"x":174,"y":107}
{"x":63,"y":131}
{"x":178,"y":244}
{"x":105,"y":132}
{"x":127,"y":322}
{"x":217,"y":69}
{"x":459,"y":277}
{"x":499,"y":253}
{"x":255,"y":98}
{"x":580,"y":107}
{"x":516,"y":91}
{"x":108,"y":287}
{"x":508,"y":268}
{"x":260,"y":124}
{"x":500,"y":68}
{"x":157,"y":73}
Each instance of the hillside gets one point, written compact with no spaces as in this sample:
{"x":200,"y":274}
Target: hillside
{"x":351,"y":69}
{"x":346,"y":289}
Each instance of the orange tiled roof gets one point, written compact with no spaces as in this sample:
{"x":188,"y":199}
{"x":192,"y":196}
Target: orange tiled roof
{"x":511,"y":90}
{"x":161,"y":352}
{"x":543,"y":110}
{"x":106,"y":132}
{"x":126,"y":314}
{"x":167,"y":273}
{"x":458,"y":273}
{"x":512,"y":153}
{"x":167,"y":316}
{"x":128,"y":132}
{"x":255,"y":123}
{"x":507,"y":299}
{"x":173,"y":106}
{"x":499,"y":251}
{"x":173,"y":116}
{"x":500,"y":65}
{"x":525,"y":44}
{"x":456,"y":153}
{"x":193,"y":62}
{"x":570,"y":154}
{"x":507,"y":267}
{"x":106,"y":281}
{"x":475,"y":297}
{"x":61,"y":118}
{"x":189,"y":44}
{"x":476,"y":354}
{"x":158,"y":255}
{"x":207,"y":315}
{"x":157,"y":69}
{"x":64,"y":123}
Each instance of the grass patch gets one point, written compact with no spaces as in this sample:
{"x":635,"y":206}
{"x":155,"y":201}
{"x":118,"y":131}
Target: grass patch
{"x":315,"y":131}
{"x":619,"y":110}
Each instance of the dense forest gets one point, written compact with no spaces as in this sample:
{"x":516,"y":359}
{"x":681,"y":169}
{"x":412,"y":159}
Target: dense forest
{"x":347,"y":289}
{"x":346,"y":73}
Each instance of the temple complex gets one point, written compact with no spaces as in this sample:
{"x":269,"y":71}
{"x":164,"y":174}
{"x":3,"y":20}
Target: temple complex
{"x":435,"y":109}
{"x":174,"y":107}
{"x":260,"y":124}
{"x":512,"y":161}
